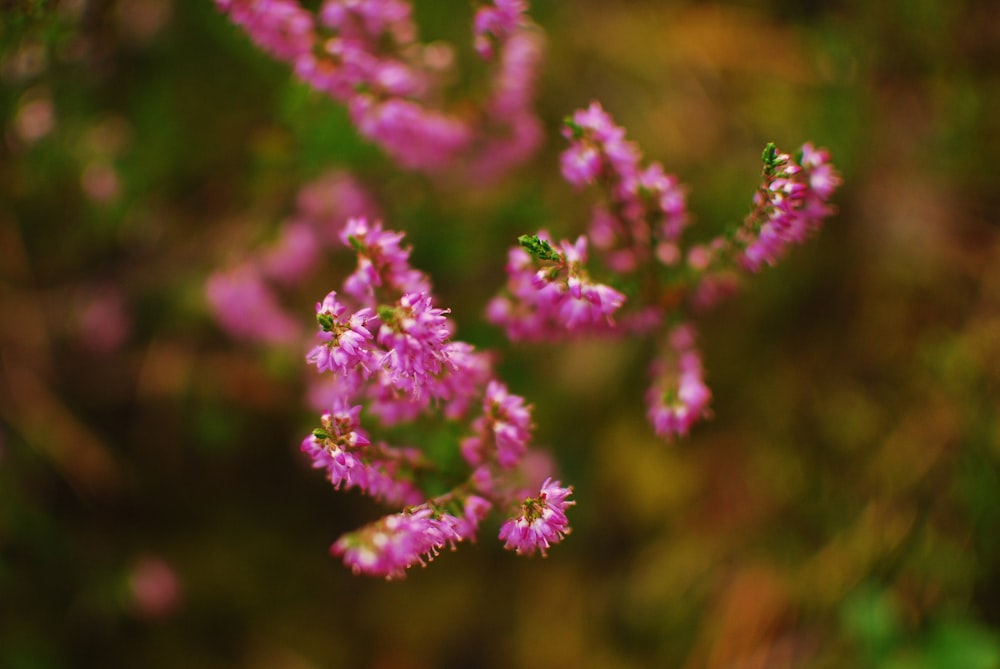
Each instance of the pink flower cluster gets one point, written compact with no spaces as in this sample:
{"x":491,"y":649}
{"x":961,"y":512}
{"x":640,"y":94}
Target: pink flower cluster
{"x":391,"y":545}
{"x":392,"y":346}
{"x":645,"y":210}
{"x":678,"y":396}
{"x":390,"y":352}
{"x":246,"y":297}
{"x":385,"y":346}
{"x":337,"y":445}
{"x":637,"y":230}
{"x":550,"y":291}
{"x":789,"y":206}
{"x":365,"y":54}
{"x":502,"y":431}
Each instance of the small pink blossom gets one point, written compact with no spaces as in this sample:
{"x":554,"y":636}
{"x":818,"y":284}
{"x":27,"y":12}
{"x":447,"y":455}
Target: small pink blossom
{"x":384,"y":480}
{"x":383,"y":263}
{"x":581,"y":164}
{"x":542,"y":521}
{"x":416,"y":137}
{"x":345,"y":343}
{"x":336,"y":445}
{"x":678,"y":396}
{"x":279,"y":27}
{"x":292,"y":255}
{"x":248,"y":308}
{"x":415,"y":335}
{"x":593,"y":131}
{"x":496,"y":23}
{"x":502,"y":432}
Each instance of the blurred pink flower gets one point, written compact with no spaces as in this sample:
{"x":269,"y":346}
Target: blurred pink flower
{"x":154,"y":588}
{"x":35,"y":119}
{"x":103,"y":323}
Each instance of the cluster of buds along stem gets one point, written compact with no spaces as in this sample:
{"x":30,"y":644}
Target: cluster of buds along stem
{"x":643,"y":278}
{"x":366,"y":55}
{"x":393,"y":360}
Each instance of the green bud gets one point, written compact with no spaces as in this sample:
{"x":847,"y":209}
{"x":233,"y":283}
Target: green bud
{"x":575,"y":128}
{"x":386,"y":313}
{"x":325,"y":321}
{"x":321,"y":434}
{"x":770,"y":158}
{"x":539,"y":248}
{"x":670,"y":397}
{"x":356,"y":244}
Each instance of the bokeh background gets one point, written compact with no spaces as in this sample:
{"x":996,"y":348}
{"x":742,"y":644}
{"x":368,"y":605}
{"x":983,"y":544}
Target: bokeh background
{"x":841,"y":509}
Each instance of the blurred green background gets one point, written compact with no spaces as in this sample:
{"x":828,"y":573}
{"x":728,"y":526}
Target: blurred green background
{"x":841,"y":509}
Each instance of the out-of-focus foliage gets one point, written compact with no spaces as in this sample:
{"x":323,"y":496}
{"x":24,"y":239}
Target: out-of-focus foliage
{"x":842,"y":509}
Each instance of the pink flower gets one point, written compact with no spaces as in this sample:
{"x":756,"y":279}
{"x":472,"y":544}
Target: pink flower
{"x":344,"y":450}
{"x":415,"y":136}
{"x":342,"y":467}
{"x":384,"y":480}
{"x":345,"y":342}
{"x":280,"y":27}
{"x":468,"y":371}
{"x":336,"y":445}
{"x":290,"y":258}
{"x":678,"y":396}
{"x":581,"y":164}
{"x":415,"y":334}
{"x":247,"y":307}
{"x":382,"y":262}
{"x":542,"y":521}
{"x":494,"y":24}
{"x":390,"y":546}
{"x":592,"y":130}
{"x":502,"y":432}
{"x":645,"y":209}
{"x":476,"y":510}
{"x":553,"y":295}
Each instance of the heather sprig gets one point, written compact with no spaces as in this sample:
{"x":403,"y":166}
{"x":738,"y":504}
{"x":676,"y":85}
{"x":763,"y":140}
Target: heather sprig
{"x":551,"y":291}
{"x":366,"y":55}
{"x":392,"y":359}
{"x":789,"y":206}
{"x":416,"y":535}
{"x":554,"y":289}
